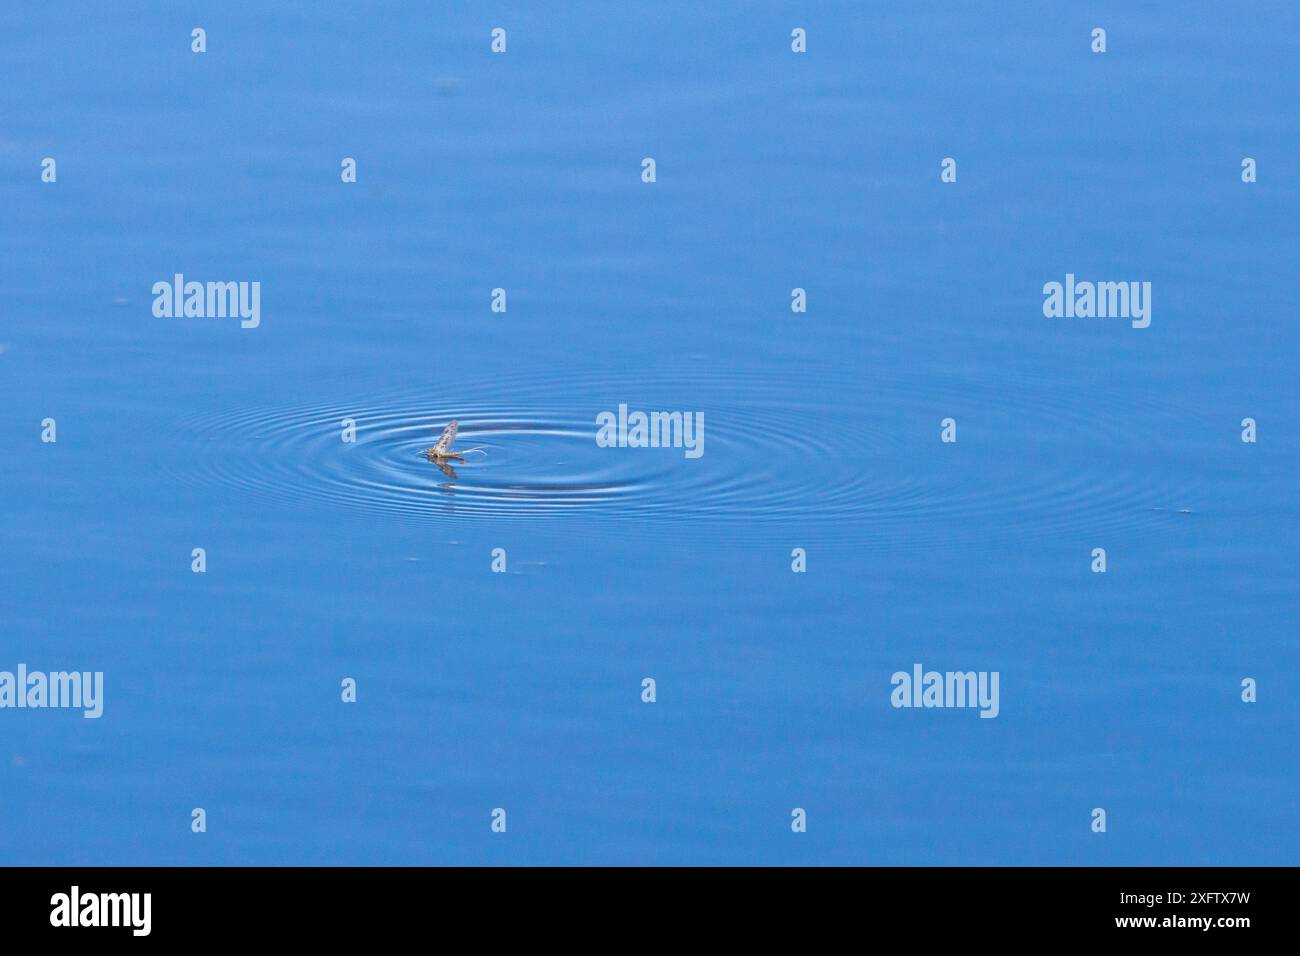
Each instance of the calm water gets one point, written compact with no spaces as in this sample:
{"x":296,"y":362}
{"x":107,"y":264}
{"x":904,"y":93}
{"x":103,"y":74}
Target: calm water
{"x":521,"y":690}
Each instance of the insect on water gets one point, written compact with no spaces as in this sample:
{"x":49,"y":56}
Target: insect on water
{"x":443,"y":452}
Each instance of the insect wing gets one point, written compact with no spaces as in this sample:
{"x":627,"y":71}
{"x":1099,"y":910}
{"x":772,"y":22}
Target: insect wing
{"x":448,"y":436}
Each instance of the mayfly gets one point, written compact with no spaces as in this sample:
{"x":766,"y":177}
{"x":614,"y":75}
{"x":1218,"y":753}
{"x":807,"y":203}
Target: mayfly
{"x":444,"y":452}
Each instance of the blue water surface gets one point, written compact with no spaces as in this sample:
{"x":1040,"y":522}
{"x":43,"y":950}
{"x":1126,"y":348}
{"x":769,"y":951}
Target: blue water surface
{"x":522,"y":690}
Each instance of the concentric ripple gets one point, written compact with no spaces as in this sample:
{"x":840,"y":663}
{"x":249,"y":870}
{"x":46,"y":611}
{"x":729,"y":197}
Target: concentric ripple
{"x":838,"y":453}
